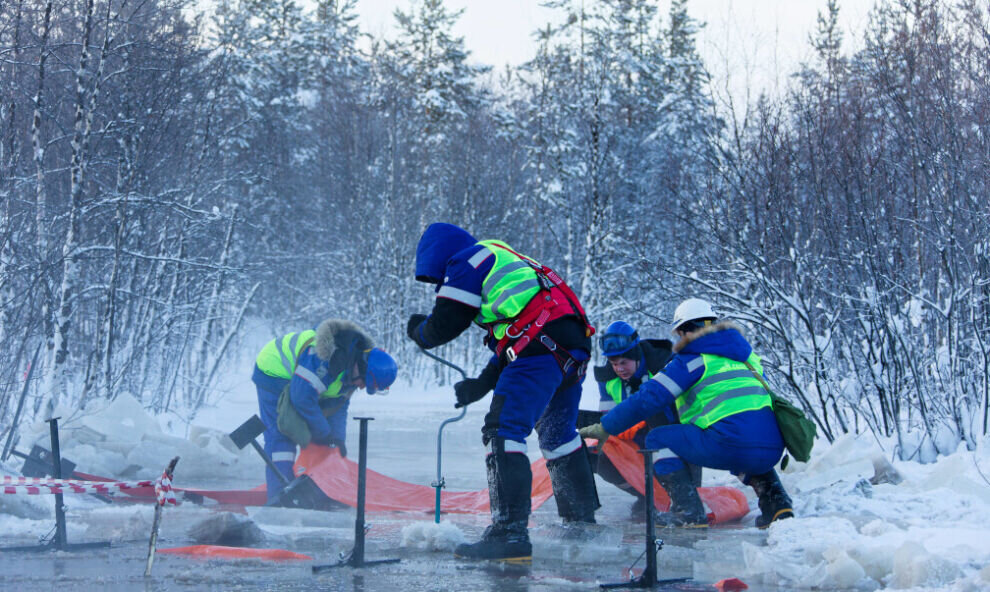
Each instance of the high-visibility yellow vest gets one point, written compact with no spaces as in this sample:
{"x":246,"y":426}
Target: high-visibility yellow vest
{"x":615,"y":388}
{"x":727,"y":387}
{"x":279,"y":357}
{"x":506,"y":290}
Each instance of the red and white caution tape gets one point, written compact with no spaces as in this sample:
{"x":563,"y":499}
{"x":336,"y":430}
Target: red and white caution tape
{"x":163,"y":490}
{"x":44,"y":486}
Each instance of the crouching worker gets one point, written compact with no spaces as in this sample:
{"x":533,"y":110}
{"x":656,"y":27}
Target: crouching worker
{"x":726,"y":418}
{"x":305,"y":381}
{"x":540,"y":337}
{"x":631,"y":361}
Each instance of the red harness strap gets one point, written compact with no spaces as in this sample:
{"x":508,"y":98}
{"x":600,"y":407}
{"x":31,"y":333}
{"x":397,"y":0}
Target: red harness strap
{"x":549,"y":304}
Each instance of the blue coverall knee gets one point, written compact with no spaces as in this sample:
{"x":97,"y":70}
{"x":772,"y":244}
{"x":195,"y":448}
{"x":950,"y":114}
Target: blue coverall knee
{"x":711,"y":447}
{"x":279,"y":448}
{"x":528,"y":395}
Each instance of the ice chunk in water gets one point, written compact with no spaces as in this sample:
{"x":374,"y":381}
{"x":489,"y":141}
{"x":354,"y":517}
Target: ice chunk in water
{"x":226,"y":529}
{"x":431,"y":536}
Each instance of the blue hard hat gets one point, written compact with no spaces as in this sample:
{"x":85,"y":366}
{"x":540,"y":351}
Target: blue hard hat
{"x":381,"y":371}
{"x":618,"y":338}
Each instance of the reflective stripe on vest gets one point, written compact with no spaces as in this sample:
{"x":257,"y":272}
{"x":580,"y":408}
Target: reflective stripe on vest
{"x":506,"y":290}
{"x":328,"y":392}
{"x":616,"y":389}
{"x":278,"y":357}
{"x":727,"y":387}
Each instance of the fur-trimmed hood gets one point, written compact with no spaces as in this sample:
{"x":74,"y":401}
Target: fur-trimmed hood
{"x":722,"y":339}
{"x":341,"y":339}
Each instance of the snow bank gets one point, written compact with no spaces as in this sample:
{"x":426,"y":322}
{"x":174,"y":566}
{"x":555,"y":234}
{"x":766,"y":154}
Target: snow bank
{"x":120,"y":439}
{"x":927,"y":532}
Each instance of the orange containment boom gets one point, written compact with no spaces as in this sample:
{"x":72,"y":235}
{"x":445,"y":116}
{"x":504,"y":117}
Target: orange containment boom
{"x":337,"y":478}
{"x":725,"y":504}
{"x":220,"y":552}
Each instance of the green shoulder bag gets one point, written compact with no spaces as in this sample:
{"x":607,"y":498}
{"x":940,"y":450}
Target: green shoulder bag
{"x":798,"y":431}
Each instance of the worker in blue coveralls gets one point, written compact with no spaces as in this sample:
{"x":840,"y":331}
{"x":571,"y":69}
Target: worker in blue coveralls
{"x":631,"y":360}
{"x":305,"y":381}
{"x":540,"y":337}
{"x":726,"y":418}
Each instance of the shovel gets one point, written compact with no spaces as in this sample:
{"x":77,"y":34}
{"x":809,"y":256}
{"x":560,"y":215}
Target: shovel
{"x":246,"y":434}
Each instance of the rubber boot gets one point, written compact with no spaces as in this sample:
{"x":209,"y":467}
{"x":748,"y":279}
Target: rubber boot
{"x":574,"y":487}
{"x":695,"y":471}
{"x":686,"y":509}
{"x":510,"y":481}
{"x":774,"y":502}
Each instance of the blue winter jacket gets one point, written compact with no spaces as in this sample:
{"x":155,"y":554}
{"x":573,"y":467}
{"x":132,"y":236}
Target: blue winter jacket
{"x":450,"y":257}
{"x":305,"y":396}
{"x":752,"y":428}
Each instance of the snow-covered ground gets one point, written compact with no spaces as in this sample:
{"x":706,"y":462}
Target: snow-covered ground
{"x":927,"y":532}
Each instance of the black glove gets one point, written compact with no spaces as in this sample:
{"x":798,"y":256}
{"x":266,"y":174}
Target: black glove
{"x":412,"y":328}
{"x":339,"y":445}
{"x":470,"y":390}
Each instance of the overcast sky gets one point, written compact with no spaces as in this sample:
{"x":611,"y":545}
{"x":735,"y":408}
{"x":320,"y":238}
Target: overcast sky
{"x":747,"y":44}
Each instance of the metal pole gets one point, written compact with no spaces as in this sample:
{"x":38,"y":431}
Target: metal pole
{"x":650,"y":575}
{"x":653,"y":545}
{"x":20,"y":406}
{"x":268,"y":461}
{"x":61,"y":539}
{"x":357,"y":558}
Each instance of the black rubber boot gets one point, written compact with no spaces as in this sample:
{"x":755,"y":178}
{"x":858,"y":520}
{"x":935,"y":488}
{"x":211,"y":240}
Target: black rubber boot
{"x":695,"y":471}
{"x":686,"y":509}
{"x":774,"y":502}
{"x":510,"y":481}
{"x":574,"y":487}
{"x":501,"y":542}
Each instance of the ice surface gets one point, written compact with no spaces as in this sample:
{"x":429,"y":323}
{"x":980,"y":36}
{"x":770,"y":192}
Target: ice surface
{"x":928,"y":532}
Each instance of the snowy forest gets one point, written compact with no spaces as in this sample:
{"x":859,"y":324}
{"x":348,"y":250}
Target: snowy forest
{"x":167,"y":176}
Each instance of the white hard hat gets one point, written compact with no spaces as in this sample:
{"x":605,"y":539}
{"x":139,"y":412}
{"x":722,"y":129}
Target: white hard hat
{"x":692,"y":309}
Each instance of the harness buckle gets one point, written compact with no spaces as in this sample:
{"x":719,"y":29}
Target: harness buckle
{"x":508,"y":332}
{"x":510,"y":354}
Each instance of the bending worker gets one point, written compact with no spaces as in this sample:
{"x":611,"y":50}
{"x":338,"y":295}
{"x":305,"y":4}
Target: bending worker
{"x":726,"y":418}
{"x":305,"y":381}
{"x":540,"y":337}
{"x":631,"y":361}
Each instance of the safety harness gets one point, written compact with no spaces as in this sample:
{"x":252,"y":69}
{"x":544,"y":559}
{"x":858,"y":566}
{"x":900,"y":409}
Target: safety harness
{"x":554,"y":300}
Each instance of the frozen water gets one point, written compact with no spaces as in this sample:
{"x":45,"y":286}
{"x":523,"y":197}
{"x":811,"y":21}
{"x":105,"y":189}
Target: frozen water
{"x":926,"y":532}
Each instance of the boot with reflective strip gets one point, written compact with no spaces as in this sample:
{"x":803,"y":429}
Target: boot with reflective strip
{"x":775,"y":504}
{"x":686,"y":509}
{"x":574,"y":487}
{"x":510,"y":481}
{"x":502,"y":542}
